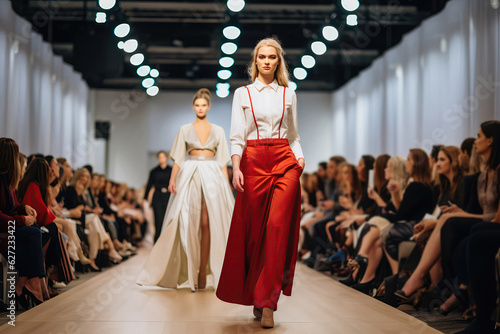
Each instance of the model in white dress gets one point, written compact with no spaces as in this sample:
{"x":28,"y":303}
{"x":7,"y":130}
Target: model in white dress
{"x":175,"y":258}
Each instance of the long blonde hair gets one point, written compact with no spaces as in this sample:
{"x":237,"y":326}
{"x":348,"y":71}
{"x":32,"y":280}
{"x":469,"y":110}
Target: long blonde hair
{"x":281,"y":74}
{"x":399,"y":173}
{"x":202,"y":93}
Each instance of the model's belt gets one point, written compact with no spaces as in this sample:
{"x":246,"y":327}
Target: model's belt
{"x":200,"y":157}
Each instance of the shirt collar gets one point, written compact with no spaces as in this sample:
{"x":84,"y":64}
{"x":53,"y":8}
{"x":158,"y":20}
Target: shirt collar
{"x":260,"y":86}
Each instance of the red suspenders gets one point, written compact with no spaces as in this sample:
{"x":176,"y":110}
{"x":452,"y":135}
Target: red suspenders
{"x":282,"y":115}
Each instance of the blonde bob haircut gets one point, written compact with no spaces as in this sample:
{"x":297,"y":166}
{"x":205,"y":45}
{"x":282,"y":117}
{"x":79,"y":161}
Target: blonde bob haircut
{"x":281,"y":74}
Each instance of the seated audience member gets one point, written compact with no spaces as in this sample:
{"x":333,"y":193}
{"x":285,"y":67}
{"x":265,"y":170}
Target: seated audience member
{"x":97,"y":235}
{"x":380,"y":195}
{"x":326,"y":210}
{"x":29,"y":252}
{"x":322,"y":177}
{"x":416,"y":202}
{"x":370,"y":247}
{"x":481,"y":249}
{"x":451,"y":189}
{"x":433,"y":157}
{"x":65,"y":177}
{"x":91,"y":196}
{"x":465,"y":154}
{"x":34,"y":190}
{"x":454,"y":226}
{"x":312,"y":194}
{"x":405,"y":209}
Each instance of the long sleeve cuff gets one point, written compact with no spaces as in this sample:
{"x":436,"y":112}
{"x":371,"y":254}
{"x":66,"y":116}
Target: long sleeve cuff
{"x":236,"y":149}
{"x":297,"y":150}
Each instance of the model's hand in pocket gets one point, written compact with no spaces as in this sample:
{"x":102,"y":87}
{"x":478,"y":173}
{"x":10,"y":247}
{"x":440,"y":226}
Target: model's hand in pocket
{"x":301,"y":163}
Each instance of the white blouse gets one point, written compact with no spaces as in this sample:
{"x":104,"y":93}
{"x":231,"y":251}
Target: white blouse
{"x":267,"y":103}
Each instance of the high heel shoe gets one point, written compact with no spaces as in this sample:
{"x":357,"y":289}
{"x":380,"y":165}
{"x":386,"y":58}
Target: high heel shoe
{"x":92,"y":269}
{"x":365,"y":288}
{"x":349,"y":281}
{"x":257,"y":312}
{"x":53,"y":293}
{"x":401,"y":294}
{"x":32,"y":299}
{"x":448,"y":306}
{"x":115,"y":259}
{"x":361,"y":263}
{"x":22,"y":301}
{"x":83,"y":259}
{"x":267,"y":320}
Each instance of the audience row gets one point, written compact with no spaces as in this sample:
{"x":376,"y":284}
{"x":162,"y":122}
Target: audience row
{"x":428,"y":224}
{"x":61,"y":221}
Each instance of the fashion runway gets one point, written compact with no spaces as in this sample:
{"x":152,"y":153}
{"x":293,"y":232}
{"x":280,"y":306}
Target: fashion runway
{"x":113,"y":303}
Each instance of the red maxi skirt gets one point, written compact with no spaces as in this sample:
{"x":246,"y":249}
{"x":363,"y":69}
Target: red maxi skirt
{"x":262,"y":245}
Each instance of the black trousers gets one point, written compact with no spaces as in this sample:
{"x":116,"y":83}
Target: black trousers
{"x":54,"y":253}
{"x":28,"y":252}
{"x":123,"y":229}
{"x":159,"y":204}
{"x":483,"y":245}
{"x":453,"y":245}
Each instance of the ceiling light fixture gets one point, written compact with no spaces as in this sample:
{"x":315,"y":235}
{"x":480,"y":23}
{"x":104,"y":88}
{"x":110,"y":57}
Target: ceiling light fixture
{"x":299,"y":73}
{"x":352,"y":20}
{"x":152,"y":91}
{"x":148,"y":82}
{"x":130,"y":45}
{"x":318,"y":48}
{"x":143,"y":70}
{"x":154,"y":73}
{"x":229,"y":48}
{"x":308,"y":61}
{"x":236,"y":5}
{"x":122,"y":30}
{"x":231,"y":32}
{"x":100,"y":17}
{"x":226,"y":62}
{"x":224,"y":74}
{"x":137,"y":59}
{"x":350,"y":5}
{"x":107,"y":4}
{"x":330,"y":33}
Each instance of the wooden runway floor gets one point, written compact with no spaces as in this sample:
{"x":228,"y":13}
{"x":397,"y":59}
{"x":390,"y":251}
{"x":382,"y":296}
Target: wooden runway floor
{"x":112,"y":303}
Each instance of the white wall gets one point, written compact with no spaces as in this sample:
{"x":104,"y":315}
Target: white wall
{"x":43,"y":101}
{"x":142,"y":125}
